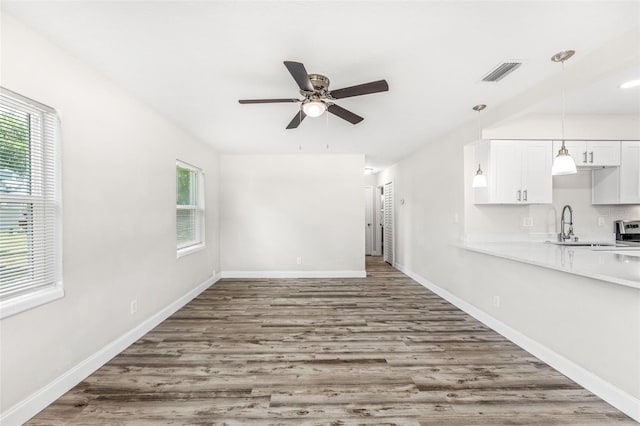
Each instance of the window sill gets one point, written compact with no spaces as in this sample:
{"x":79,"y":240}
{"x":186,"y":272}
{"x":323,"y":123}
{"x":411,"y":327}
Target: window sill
{"x":188,"y":250}
{"x":30,"y":300}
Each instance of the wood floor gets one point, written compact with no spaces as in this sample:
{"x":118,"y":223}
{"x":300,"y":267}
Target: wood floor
{"x":380,"y":350}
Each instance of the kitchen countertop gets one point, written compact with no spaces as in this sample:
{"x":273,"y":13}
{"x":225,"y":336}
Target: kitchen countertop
{"x":615,"y":266}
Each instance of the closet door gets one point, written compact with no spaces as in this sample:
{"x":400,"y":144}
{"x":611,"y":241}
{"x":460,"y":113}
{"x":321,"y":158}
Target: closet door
{"x":388,"y":223}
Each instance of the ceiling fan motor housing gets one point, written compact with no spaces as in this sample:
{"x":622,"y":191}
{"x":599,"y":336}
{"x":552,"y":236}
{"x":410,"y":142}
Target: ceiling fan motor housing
{"x":319,"y":82}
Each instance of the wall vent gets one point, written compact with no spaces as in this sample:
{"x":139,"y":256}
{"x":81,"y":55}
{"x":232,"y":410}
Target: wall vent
{"x":501,"y":71}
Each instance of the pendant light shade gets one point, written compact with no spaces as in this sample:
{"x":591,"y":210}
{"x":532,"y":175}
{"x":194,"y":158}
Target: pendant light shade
{"x":479,"y":180}
{"x":563,"y":164}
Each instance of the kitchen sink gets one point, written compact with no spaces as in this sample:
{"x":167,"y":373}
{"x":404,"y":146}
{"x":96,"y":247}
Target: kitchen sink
{"x":584,"y":243}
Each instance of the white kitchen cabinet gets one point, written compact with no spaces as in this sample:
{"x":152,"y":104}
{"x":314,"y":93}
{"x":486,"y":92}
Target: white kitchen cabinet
{"x":630,"y":173}
{"x":619,"y":185}
{"x":592,"y":153}
{"x":517,"y":171}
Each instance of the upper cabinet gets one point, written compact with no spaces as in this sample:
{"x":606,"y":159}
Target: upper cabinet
{"x":517,"y":171}
{"x":619,"y":185}
{"x":592,"y":153}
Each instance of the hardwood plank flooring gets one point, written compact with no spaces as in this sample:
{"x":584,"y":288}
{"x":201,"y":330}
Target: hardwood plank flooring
{"x":380,"y":350}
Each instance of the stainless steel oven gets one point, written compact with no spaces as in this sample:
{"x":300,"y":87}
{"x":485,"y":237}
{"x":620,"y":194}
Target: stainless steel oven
{"x":627,"y":231}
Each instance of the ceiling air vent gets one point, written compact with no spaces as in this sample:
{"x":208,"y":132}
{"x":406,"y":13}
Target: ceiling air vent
{"x":501,"y":71}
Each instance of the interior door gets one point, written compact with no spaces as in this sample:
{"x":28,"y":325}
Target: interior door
{"x":368,"y":220}
{"x":388,"y":223}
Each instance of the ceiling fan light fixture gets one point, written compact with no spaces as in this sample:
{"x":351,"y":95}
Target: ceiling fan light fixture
{"x":314,"y":108}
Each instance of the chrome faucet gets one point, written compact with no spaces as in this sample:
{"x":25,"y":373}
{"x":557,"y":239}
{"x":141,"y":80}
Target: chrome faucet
{"x":562,"y":236}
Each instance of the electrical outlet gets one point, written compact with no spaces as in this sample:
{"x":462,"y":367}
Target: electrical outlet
{"x":496,"y":301}
{"x":456,"y":218}
{"x":527,"y":221}
{"x":299,"y":260}
{"x":133,"y":307}
{"x":601,"y":221}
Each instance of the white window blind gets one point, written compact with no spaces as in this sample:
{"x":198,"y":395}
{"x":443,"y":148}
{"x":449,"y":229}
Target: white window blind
{"x":30,"y":247}
{"x":189,"y":208}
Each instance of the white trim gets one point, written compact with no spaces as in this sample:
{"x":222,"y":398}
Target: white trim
{"x":294,"y":274}
{"x":17,"y":304}
{"x":37,"y":401}
{"x":190,"y":249}
{"x":615,"y":396}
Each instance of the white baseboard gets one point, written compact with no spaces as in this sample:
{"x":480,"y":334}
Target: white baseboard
{"x":621,"y":400}
{"x":294,"y":274}
{"x":37,"y":401}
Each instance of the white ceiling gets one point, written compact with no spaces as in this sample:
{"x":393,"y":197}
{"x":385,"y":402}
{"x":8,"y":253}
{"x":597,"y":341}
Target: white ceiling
{"x":603,"y":96}
{"x":192,"y":61}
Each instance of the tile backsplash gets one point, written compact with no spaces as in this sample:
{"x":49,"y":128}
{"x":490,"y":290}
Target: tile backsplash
{"x":543,"y":221}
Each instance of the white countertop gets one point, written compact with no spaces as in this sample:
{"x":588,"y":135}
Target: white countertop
{"x":616,"y":266}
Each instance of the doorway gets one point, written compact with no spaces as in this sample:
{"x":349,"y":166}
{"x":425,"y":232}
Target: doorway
{"x":373,"y":220}
{"x":369,"y":228}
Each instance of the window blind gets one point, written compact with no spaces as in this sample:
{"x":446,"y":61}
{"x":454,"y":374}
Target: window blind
{"x":189,"y":206}
{"x":30,"y":255}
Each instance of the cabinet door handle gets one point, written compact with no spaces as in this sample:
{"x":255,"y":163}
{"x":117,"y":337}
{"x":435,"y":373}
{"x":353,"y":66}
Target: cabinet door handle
{"x":591,"y":157}
{"x":524,"y":194}
{"x":519,"y":195}
{"x":584,"y":154}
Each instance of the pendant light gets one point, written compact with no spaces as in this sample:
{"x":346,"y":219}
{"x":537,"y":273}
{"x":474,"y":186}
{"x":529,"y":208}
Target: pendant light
{"x":563,"y":164}
{"x":479,"y":180}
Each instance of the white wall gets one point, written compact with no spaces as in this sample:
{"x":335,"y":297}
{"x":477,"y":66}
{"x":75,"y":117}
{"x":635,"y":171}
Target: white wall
{"x":371,"y":180}
{"x":118,"y":180}
{"x":276,"y":208}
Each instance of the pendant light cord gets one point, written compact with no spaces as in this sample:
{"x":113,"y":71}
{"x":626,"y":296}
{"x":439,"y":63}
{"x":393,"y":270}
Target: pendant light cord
{"x":563,"y":105}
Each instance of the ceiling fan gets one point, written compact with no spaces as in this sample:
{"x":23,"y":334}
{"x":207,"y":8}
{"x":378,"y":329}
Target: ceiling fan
{"x":317,"y":96}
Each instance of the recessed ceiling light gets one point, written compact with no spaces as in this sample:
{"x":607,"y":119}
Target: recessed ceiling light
{"x":630,"y":84}
{"x":368,"y":170}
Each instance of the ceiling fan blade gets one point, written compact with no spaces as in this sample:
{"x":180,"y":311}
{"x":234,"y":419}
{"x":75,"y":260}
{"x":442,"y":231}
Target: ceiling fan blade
{"x":266,"y":101}
{"x":344,"y":114}
{"x":361,"y":89}
{"x":297,"y":119}
{"x":300,"y":75}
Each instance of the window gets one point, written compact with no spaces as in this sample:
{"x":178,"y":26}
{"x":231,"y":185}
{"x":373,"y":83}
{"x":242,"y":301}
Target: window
{"x":30,"y":208}
{"x":189,"y":208}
